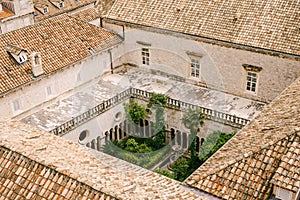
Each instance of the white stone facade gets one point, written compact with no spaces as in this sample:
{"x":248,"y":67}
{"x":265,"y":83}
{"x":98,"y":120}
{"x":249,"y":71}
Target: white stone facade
{"x":23,"y":15}
{"x":49,"y":88}
{"x":221,"y":67}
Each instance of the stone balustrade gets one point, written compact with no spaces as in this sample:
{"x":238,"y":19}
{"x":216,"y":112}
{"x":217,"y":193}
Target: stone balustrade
{"x":213,"y":115}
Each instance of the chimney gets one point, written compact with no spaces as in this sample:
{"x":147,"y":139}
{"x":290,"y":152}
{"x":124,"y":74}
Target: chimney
{"x":36,"y":64}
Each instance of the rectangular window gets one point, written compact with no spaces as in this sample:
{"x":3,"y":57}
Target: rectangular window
{"x":251,"y":81}
{"x":48,"y":90}
{"x":78,"y":77}
{"x":16,"y":105}
{"x":195,"y":68}
{"x":145,"y":56}
{"x":45,"y":10}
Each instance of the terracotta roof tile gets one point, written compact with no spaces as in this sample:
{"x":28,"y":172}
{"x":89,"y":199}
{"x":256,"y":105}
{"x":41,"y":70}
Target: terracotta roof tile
{"x":268,"y":145}
{"x":288,"y":174}
{"x":35,"y":164}
{"x":267,"y":24}
{"x":100,"y":10}
{"x":69,"y":5}
{"x":61,"y":41}
{"x":5,"y":13}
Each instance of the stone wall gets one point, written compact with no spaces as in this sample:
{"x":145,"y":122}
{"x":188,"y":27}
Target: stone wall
{"x":63,"y":83}
{"x":221,"y":67}
{"x":14,"y":23}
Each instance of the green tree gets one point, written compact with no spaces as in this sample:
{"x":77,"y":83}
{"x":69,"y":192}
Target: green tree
{"x":213,"y":143}
{"x":180,"y":169}
{"x":158,"y":102}
{"x":165,"y":172}
{"x":193,"y":119}
{"x":134,"y":112}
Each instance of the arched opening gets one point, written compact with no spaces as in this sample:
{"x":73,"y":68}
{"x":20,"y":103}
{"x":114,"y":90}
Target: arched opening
{"x":98,"y":143}
{"x":93,"y":144}
{"x":173,"y":136}
{"x":197,"y":144}
{"x":151,"y":129}
{"x":125,"y":128}
{"x":111,"y":134}
{"x":106,"y":136}
{"x":120,"y":131}
{"x":202,"y":141}
{"x":142,"y":129}
{"x":178,"y":136}
{"x":147,"y":128}
{"x":116,"y":132}
{"x":184,"y":140}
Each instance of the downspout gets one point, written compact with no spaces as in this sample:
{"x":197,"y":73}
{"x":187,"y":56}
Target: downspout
{"x":111,"y":62}
{"x":123,"y":32}
{"x":101,"y":22}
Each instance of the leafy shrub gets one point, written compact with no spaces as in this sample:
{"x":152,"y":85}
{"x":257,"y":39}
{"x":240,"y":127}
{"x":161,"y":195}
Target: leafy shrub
{"x":165,"y":172}
{"x":134,"y":112}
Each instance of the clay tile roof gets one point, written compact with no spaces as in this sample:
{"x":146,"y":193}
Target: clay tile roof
{"x":267,"y":24}
{"x":61,"y":40}
{"x":69,"y":5}
{"x":288,"y":174}
{"x":87,"y":15}
{"x":245,"y":166}
{"x":36,"y":165}
{"x":5,"y":13}
{"x":101,"y":9}
{"x":14,"y":49}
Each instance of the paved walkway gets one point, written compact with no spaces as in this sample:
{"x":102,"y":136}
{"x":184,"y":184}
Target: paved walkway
{"x":82,"y":100}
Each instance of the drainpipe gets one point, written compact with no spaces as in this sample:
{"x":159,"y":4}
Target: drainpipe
{"x":111,"y":62}
{"x":123,"y":32}
{"x":101,"y":22}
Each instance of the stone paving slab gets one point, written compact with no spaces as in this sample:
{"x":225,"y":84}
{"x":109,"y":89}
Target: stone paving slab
{"x":108,"y":86}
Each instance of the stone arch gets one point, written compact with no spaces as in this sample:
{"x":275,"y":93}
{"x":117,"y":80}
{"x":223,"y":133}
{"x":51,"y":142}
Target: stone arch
{"x":184,"y":140}
{"x":147,"y":129}
{"x":99,"y":143}
{"x":125,"y":128}
{"x":106,"y":134}
{"x":116,"y":132}
{"x":178,"y":137}
{"x":93,"y":144}
{"x":120,"y":131}
{"x":173,"y":135}
{"x":202,"y":141}
{"x":142,"y":128}
{"x":151,"y":129}
{"x":111,"y":134}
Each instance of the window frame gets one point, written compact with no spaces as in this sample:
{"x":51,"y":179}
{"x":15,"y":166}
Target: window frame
{"x":145,"y":52}
{"x":252,"y":82}
{"x":49,"y":91}
{"x":46,"y":10}
{"x":16,"y":104}
{"x":195,"y":68}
